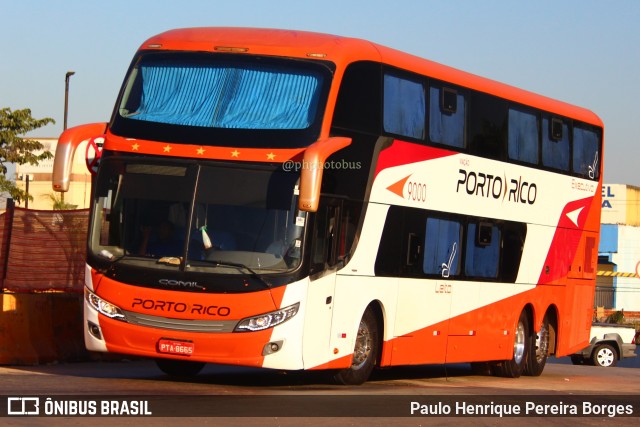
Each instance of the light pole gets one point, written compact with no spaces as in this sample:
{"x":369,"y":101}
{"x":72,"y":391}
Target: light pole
{"x":66,"y":109}
{"x":66,"y":96}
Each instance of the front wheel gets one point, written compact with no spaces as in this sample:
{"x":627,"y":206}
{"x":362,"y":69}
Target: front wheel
{"x":604,"y":355}
{"x":515,"y":366}
{"x":179,"y":368}
{"x":364,"y":354}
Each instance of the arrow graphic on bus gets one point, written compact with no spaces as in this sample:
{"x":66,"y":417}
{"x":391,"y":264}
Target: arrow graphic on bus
{"x":398,"y":187}
{"x":573,"y":215}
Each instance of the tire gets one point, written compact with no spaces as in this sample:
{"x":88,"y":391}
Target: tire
{"x":179,"y":368}
{"x":481,"y":368}
{"x":365,"y":353}
{"x":539,"y":350}
{"x":604,"y":355}
{"x":515,"y":367}
{"x":577,"y":359}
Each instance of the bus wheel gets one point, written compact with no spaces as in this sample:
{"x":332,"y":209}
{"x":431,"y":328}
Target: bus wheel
{"x":179,"y":368}
{"x":364,"y":354}
{"x":514,"y":367}
{"x":539,"y":350}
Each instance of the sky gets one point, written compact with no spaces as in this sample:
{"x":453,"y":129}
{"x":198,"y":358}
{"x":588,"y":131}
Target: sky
{"x":585,"y":52}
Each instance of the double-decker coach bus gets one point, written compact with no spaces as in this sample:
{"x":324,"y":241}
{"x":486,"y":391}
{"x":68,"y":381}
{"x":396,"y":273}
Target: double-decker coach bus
{"x":294,"y":200}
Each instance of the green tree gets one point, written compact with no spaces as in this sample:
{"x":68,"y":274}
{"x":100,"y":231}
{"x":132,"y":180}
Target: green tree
{"x":15,"y":148}
{"x":58,"y":203}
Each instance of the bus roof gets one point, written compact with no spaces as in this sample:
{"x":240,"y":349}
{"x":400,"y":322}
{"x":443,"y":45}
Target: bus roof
{"x":343,"y":51}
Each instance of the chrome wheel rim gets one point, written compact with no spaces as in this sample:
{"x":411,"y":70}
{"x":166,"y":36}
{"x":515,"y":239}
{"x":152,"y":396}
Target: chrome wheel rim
{"x":542,"y":344}
{"x":363,"y":346}
{"x":519,"y":344}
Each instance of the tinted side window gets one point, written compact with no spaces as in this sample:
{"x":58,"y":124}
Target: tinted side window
{"x":487,"y":125}
{"x":482,"y":252}
{"x":358,"y":105}
{"x":447,"y":109}
{"x":441,"y":247}
{"x":400,"y":252}
{"x":404,"y":107}
{"x":523,"y":135}
{"x":586,"y":152}
{"x":556,"y":151}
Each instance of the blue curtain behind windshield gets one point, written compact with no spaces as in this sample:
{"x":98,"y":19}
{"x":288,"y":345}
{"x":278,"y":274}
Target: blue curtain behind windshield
{"x":225,"y":97}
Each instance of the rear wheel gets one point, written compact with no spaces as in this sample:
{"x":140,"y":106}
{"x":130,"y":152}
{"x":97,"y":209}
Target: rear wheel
{"x":539,"y":350}
{"x":364,"y":354}
{"x":515,"y":367}
{"x":179,"y":368}
{"x":604,"y":355}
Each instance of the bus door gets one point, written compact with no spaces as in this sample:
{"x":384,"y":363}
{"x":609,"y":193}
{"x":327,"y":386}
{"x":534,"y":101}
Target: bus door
{"x":324,"y":249}
{"x":424,"y":296}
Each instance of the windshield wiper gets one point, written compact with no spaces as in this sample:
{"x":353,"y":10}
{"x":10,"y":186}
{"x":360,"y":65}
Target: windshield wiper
{"x":251,"y":271}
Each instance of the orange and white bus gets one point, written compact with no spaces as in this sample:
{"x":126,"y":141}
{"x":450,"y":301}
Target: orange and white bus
{"x":293,"y":200}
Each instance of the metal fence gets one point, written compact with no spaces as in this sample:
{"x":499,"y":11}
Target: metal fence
{"x":603,"y":297}
{"x":42,"y":250}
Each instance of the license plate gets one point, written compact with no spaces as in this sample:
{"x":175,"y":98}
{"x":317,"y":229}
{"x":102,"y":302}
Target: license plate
{"x":184,"y":348}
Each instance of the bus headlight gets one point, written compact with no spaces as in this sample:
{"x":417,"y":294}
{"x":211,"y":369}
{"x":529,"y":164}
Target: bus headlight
{"x":267,"y":320}
{"x":103,"y":306}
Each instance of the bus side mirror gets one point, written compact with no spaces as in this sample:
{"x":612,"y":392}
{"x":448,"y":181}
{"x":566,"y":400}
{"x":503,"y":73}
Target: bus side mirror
{"x":312,"y":169}
{"x":67,"y":144}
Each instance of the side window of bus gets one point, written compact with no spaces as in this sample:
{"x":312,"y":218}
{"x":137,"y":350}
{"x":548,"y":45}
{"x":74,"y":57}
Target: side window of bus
{"x":323,"y":251}
{"x":556,"y":150}
{"x":523,"y":145}
{"x":358,"y":105}
{"x":404,"y":108}
{"x":487,"y":125}
{"x":513,"y":238}
{"x":349,"y":218}
{"x":586,"y":152}
{"x":334,"y":234}
{"x":442,"y":247}
{"x":389,"y":259}
{"x":482,"y":251}
{"x":401,"y":248}
{"x":447,"y":109}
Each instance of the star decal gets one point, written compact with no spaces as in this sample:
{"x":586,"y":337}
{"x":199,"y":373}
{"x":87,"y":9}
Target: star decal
{"x":200,"y":151}
{"x":167,"y":148}
{"x":271,"y":156}
{"x":135,"y":147}
{"x":235,"y":153}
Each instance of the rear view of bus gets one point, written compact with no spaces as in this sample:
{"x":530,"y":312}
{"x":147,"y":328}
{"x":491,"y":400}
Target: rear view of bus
{"x":293,"y":200}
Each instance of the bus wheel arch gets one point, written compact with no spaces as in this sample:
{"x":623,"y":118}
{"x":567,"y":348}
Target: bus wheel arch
{"x":552,"y":317}
{"x":367,"y":348}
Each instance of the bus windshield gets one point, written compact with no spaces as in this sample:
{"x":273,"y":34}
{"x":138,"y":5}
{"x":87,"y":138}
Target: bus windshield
{"x":197,"y":217}
{"x":199,"y":94}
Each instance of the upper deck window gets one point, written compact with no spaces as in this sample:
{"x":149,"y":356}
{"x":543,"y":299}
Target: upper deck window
{"x":586,"y":152}
{"x":221,"y":94}
{"x":446,"y":116}
{"x":204,"y":98}
{"x":523,"y":135}
{"x":404,"y":107}
{"x":556,"y":147}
